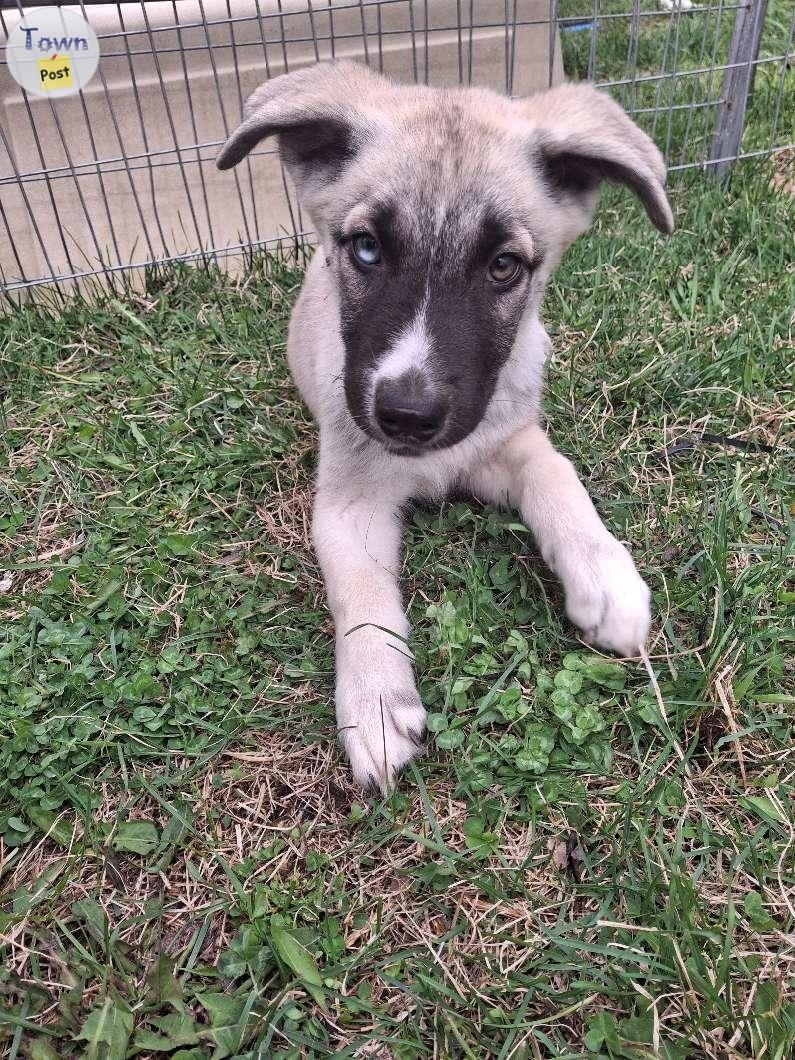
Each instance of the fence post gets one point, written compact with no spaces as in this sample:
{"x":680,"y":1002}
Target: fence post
{"x":738,"y":80}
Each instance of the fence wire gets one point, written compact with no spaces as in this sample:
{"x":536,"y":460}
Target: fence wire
{"x":120,"y":176}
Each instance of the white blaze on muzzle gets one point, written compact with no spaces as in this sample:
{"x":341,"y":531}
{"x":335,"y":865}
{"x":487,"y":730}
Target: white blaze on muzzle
{"x":409,"y":354}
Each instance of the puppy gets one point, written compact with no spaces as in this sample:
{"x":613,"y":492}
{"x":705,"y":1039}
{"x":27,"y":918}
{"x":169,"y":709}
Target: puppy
{"x":417,"y":345}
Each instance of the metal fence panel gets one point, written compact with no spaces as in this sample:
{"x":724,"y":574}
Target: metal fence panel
{"x":120,"y":176}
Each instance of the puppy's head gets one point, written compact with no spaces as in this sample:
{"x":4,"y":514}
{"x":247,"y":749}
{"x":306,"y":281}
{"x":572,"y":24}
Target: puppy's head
{"x":442,"y":215}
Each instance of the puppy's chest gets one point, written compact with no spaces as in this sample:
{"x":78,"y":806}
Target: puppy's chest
{"x":430,"y":478}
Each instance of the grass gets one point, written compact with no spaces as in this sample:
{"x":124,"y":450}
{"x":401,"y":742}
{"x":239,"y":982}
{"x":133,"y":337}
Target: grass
{"x":679,"y":109}
{"x":587,"y":861}
{"x":577,"y":866}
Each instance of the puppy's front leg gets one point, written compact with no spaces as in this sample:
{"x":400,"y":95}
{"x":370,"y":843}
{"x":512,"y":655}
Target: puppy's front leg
{"x":380,"y":719}
{"x":605,"y":595}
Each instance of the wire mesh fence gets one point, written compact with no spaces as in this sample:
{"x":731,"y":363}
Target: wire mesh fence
{"x":120,"y":176}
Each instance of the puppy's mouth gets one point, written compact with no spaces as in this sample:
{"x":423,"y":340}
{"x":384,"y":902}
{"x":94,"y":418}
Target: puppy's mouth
{"x":407,"y":449}
{"x":450,"y":434}
{"x":398,"y":444}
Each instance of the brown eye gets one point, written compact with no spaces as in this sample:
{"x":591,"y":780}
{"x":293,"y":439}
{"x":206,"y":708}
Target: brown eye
{"x":366,"y":250}
{"x":504,"y":269}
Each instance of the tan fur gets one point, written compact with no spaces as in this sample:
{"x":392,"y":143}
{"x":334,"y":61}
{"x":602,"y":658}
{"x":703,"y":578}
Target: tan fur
{"x":430,"y":148}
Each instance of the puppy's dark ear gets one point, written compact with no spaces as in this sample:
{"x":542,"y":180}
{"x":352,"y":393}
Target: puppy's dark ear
{"x":321,"y":115}
{"x":582,"y":137}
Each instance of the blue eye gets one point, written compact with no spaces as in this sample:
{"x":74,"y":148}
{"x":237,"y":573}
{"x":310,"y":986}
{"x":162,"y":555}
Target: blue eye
{"x":366,"y":250}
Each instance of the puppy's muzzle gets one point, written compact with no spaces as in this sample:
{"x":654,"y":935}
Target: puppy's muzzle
{"x":408,"y":413}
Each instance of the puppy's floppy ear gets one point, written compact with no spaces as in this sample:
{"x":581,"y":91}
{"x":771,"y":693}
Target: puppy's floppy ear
{"x":320,"y":114}
{"x":582,"y":137}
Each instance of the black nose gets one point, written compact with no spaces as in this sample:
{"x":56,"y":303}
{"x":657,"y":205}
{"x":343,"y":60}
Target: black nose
{"x":408,"y":412}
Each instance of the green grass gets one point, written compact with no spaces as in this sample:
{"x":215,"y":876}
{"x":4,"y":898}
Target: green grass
{"x":571,"y":869}
{"x":582,"y":864}
{"x":680,"y":111}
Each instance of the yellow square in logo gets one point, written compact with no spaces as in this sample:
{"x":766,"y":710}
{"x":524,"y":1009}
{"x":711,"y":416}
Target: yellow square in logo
{"x":55,"y":73}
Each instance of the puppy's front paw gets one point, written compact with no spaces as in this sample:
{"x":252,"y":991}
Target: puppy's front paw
{"x":608,"y":599}
{"x":381,"y":722}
